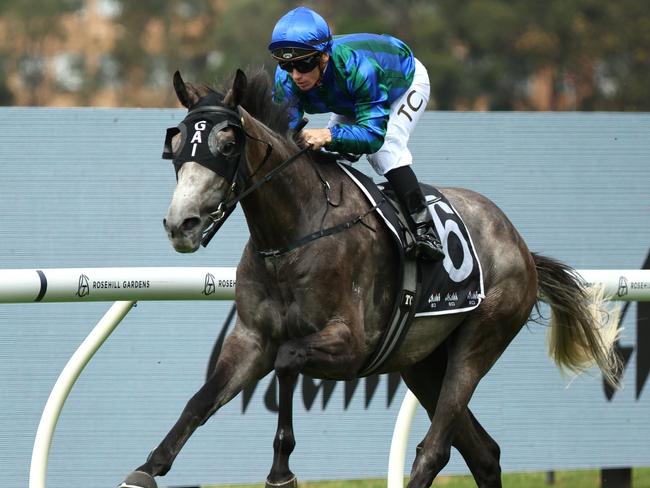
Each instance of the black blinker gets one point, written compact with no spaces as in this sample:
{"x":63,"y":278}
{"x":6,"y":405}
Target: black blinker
{"x":196,"y":145}
{"x":168,"y":152}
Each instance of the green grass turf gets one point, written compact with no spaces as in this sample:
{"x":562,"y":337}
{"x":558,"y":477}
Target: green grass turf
{"x":563,"y":479}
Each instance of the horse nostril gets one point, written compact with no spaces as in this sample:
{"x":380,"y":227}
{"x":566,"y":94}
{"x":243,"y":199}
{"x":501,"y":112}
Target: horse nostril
{"x":190,"y":223}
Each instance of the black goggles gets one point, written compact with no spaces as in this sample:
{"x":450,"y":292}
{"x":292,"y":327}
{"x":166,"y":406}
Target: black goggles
{"x":304,"y":65}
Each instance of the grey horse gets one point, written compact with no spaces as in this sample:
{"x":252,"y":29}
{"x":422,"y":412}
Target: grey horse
{"x":320,"y":308}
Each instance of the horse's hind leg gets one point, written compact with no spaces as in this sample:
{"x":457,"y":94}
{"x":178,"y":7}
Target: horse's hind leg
{"x":480,"y":451}
{"x":472,"y":349}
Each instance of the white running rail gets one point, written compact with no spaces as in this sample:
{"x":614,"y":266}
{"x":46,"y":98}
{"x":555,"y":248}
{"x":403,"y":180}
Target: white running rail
{"x":632,"y":285}
{"x":125,"y":286}
{"x":113,"y":284}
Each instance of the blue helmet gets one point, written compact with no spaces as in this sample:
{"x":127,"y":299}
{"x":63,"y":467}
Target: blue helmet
{"x":299,"y":33}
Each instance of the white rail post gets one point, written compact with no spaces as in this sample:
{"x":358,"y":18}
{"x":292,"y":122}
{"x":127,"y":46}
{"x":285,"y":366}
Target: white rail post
{"x":400,"y":440}
{"x":63,"y":385}
{"x":124,"y":286}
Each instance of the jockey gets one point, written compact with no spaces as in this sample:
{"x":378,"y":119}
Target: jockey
{"x":376,"y":91}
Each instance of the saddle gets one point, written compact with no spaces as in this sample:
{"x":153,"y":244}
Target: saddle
{"x":453,"y":285}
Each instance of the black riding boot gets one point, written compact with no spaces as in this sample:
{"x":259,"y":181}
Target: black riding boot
{"x":427,"y":243}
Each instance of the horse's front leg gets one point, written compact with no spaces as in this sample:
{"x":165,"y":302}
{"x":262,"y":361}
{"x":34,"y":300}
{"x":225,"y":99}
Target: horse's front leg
{"x":243,"y":360}
{"x":284,"y":441}
{"x":336,"y":351}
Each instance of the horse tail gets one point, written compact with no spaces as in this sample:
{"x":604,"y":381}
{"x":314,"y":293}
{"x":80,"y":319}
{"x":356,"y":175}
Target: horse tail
{"x":583,"y":331}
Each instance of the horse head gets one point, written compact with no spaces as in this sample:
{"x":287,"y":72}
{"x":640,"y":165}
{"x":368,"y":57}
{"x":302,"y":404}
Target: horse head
{"x":207,"y":149}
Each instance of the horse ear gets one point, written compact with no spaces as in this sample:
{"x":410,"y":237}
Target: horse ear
{"x":181,"y":90}
{"x":236,"y":93}
{"x":188,"y":94}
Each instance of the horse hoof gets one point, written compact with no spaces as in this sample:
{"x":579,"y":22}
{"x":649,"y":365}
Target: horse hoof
{"x":291,"y":483}
{"x":138,"y":479}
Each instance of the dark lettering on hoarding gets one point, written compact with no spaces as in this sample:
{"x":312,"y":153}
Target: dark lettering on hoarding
{"x":271,"y":396}
{"x":642,"y":340}
{"x":371,"y":388}
{"x":350,"y":388}
{"x":624,"y":353}
{"x":642,"y":345}
{"x":312,"y":387}
{"x":394,"y":380}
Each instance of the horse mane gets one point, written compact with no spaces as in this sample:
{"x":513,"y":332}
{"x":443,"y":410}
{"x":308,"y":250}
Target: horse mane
{"x":258,"y":101}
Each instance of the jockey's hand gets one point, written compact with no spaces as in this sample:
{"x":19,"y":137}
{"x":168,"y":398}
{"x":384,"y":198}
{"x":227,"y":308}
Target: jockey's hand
{"x":317,"y":138}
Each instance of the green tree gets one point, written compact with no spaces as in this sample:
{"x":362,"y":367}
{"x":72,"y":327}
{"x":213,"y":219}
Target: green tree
{"x":6,"y":97}
{"x":29,"y":24}
{"x":142,"y":66}
{"x":239,"y":36}
{"x":493,"y":54}
{"x":596,"y":53}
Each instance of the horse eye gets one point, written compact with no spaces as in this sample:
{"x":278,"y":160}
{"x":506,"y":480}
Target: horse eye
{"x":228,"y":148}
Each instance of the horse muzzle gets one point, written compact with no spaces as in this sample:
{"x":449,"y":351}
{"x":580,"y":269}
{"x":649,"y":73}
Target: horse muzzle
{"x":184,"y":233}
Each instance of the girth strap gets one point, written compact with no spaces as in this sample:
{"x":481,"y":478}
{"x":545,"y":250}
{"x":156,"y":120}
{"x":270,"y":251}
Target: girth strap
{"x":400,"y":319}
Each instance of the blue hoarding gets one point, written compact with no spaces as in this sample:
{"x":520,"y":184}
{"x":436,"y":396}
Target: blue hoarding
{"x":87,"y":188}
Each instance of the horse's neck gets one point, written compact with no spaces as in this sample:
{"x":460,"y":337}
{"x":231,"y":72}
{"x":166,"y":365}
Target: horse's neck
{"x":286,"y":207}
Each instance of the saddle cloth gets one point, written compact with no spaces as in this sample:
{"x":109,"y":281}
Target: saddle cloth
{"x":452,"y":285}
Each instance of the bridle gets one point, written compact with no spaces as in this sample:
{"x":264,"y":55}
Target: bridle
{"x":202,"y":149}
{"x":227,"y":206}
{"x":212,"y":119}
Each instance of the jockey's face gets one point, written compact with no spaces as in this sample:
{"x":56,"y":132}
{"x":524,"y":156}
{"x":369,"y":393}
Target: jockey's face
{"x":307,"y":81}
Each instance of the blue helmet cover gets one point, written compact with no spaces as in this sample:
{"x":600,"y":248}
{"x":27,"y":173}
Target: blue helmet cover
{"x":302,"y":28}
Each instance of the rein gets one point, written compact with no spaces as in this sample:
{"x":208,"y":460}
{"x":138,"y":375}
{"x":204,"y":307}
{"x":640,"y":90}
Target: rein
{"x":228,"y":206}
{"x":267,"y":177}
{"x":274,"y":253}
